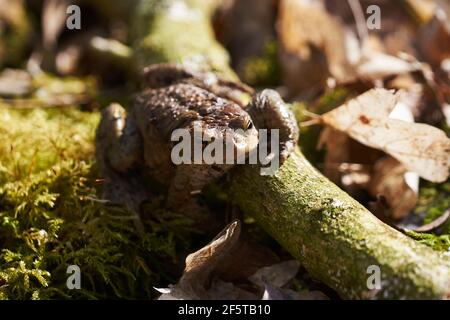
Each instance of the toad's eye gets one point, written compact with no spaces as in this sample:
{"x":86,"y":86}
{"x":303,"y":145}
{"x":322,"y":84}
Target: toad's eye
{"x":237,"y":123}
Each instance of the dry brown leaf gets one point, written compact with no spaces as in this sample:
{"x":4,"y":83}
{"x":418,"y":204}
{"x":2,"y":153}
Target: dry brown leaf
{"x":356,"y":167}
{"x":197,"y":282}
{"x":347,"y":161}
{"x":312,"y":42}
{"x":200,"y":263}
{"x":203,"y":277}
{"x":207,"y":274}
{"x":389,"y":181}
{"x":244,"y":260}
{"x":337,"y":144}
{"x":421,"y":148}
{"x":434,"y":39}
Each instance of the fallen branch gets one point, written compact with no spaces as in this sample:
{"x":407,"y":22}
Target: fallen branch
{"x":336,"y":239}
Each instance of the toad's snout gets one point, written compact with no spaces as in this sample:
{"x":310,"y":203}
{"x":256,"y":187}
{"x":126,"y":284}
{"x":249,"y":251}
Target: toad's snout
{"x":245,"y":141}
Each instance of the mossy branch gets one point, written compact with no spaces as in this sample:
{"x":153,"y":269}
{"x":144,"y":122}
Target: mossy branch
{"x":335,"y":237}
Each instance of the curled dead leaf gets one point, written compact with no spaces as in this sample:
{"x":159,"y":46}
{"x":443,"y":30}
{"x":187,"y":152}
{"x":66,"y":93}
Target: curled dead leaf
{"x":433,"y":225}
{"x":200,"y":263}
{"x":204,"y":276}
{"x":421,"y":148}
{"x":196,"y":281}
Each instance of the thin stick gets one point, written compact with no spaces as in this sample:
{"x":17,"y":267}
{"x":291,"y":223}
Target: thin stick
{"x":360,"y":20}
{"x":310,"y":114}
{"x":311,"y":122}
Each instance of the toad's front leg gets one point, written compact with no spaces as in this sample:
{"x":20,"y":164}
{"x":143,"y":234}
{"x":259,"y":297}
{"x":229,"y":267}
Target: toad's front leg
{"x":269,"y":111}
{"x":118,"y":142}
{"x":183,"y":192}
{"x":117,"y":147}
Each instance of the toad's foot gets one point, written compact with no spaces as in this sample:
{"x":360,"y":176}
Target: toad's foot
{"x":269,"y":111}
{"x":185,"y":187}
{"x":128,"y":191}
{"x":117,"y":141}
{"x":116,"y":147}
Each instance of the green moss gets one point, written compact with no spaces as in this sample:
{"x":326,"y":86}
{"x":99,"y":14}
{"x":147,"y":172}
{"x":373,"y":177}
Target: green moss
{"x":50,"y":217}
{"x":330,"y":100}
{"x":48,"y":87}
{"x":309,"y":135}
{"x":440,"y":243}
{"x":35,"y":140}
{"x":434,"y":200}
{"x":264,"y":70}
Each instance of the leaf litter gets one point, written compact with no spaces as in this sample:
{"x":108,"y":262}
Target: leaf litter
{"x":421,"y":148}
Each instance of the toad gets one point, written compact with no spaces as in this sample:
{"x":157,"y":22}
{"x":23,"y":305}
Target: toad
{"x":136,"y":144}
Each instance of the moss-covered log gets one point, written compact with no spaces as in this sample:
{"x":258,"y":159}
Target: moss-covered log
{"x":338,"y":241}
{"x":179,"y":31}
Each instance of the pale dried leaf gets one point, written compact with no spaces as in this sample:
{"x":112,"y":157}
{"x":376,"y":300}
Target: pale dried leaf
{"x":421,"y":148}
{"x":276,"y":275}
{"x":375,"y":103}
{"x":446,"y":111}
{"x":15,"y":83}
{"x":379,"y":65}
{"x":163,"y":290}
{"x":273,"y":293}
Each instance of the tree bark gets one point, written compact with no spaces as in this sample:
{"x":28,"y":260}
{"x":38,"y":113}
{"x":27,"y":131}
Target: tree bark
{"x":338,"y":241}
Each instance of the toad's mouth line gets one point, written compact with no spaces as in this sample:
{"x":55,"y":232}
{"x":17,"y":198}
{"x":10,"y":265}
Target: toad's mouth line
{"x":229,"y":147}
